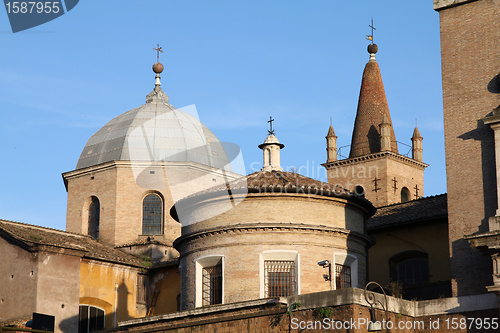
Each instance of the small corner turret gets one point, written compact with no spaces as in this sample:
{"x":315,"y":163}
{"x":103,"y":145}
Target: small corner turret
{"x":331,"y":145}
{"x":417,"y":149}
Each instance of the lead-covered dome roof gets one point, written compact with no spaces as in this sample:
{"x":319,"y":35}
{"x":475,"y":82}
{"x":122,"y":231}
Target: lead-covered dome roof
{"x":156,"y":132}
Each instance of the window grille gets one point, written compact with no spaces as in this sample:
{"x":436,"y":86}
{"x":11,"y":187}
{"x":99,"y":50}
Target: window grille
{"x":412,"y":271}
{"x":94,"y":212}
{"x":279,"y":278}
{"x":212,"y":285}
{"x":342,"y":276}
{"x":152,"y":215}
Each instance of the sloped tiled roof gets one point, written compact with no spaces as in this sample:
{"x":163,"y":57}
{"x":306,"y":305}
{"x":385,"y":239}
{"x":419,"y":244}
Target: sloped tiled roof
{"x":274,"y":182}
{"x":144,"y":241}
{"x":415,"y":211}
{"x":34,"y":237}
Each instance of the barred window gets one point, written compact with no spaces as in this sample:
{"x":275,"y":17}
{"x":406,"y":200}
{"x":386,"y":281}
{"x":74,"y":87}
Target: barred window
{"x":342,"y":276}
{"x":409,"y":267}
{"x":212,"y":284}
{"x":279,"y":278}
{"x":152,"y":215}
{"x":94,"y":216}
{"x":412,"y":271}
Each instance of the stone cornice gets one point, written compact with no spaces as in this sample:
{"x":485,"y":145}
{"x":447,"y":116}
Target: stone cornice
{"x":269,"y":227}
{"x":489,"y":240}
{"x":88,"y":171}
{"x":376,"y":156}
{"x":444,"y":4}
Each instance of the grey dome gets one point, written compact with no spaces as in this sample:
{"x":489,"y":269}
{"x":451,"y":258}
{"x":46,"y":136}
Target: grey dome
{"x":155,"y":131}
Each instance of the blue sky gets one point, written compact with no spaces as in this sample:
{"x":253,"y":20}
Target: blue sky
{"x":239,"y":62}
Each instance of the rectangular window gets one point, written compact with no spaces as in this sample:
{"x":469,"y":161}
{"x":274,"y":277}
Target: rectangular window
{"x":279,"y":278}
{"x":342,"y":276}
{"x":141,"y":289}
{"x":212,"y":285}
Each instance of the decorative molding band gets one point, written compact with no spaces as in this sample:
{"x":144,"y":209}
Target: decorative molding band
{"x":270,"y":227}
{"x":377,"y":156}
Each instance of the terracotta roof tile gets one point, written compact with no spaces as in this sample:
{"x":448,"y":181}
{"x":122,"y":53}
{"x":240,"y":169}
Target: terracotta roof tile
{"x":33,"y":237}
{"x":415,"y":211}
{"x":283,"y":182}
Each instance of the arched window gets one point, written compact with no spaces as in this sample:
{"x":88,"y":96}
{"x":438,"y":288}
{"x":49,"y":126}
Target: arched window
{"x":410,"y":267}
{"x":405,"y":194}
{"x":91,"y":319}
{"x":94,"y":215}
{"x":152,"y":215}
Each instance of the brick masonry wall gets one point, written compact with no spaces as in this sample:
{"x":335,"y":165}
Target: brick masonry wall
{"x":316,"y":227}
{"x":385,"y":168}
{"x":470,"y":35}
{"x":274,"y":318}
{"x":121,"y":188}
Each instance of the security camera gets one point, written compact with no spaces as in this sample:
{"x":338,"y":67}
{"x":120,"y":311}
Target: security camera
{"x":324,"y":263}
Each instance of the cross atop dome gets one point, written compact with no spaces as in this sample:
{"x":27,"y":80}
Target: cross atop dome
{"x":157,"y":94}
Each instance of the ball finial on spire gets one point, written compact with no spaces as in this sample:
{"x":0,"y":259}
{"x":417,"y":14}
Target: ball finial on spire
{"x":157,"y":67}
{"x":372,"y":48}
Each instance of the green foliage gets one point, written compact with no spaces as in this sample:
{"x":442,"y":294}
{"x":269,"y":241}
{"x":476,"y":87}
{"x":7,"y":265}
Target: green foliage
{"x":36,"y":238}
{"x":324,"y":312}
{"x":147,"y":261}
{"x":395,"y":289}
{"x":292,"y":307}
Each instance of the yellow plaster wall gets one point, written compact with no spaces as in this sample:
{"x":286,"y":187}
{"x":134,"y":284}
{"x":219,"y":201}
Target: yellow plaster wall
{"x":168,"y":282}
{"x":110,"y":287}
{"x":431,"y":238}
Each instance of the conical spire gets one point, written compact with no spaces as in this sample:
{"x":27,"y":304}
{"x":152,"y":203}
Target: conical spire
{"x":416,"y":134}
{"x":372,"y":106}
{"x":331,"y":132}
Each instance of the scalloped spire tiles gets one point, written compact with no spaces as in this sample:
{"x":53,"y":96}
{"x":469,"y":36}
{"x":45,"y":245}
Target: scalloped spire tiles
{"x":372,"y":106}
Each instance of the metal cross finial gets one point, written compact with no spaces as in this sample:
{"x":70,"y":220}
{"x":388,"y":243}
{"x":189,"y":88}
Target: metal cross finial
{"x":158,"y":50}
{"x":270,"y":121}
{"x":370,"y":37}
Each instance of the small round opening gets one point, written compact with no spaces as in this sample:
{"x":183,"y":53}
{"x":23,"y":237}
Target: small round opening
{"x":359,"y":191}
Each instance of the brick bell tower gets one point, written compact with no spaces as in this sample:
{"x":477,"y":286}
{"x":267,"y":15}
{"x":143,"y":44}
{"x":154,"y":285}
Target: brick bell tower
{"x":375,"y":169}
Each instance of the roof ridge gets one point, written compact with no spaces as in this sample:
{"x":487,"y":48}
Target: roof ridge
{"x":34,"y":226}
{"x":414,"y":200}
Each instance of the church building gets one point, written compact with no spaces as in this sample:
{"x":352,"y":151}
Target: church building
{"x":160,"y":227}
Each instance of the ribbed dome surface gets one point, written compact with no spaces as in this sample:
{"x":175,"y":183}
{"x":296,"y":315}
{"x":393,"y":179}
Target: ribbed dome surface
{"x":155,"y":131}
